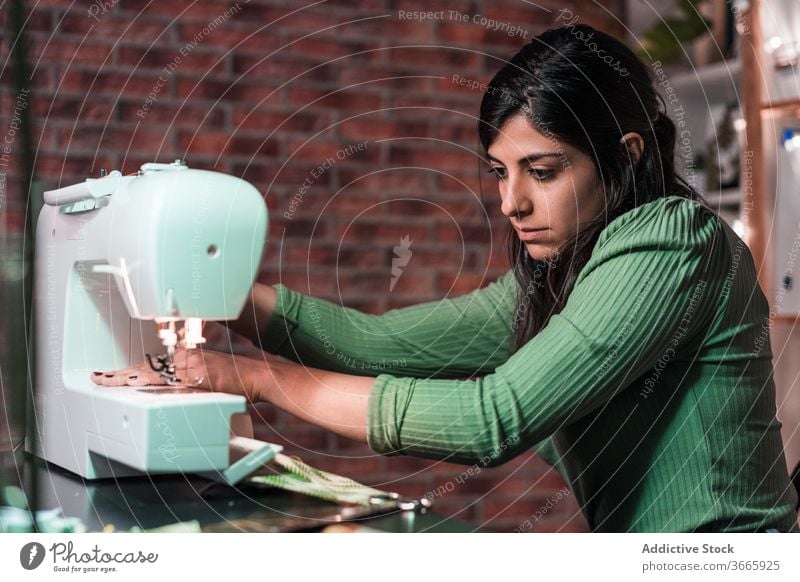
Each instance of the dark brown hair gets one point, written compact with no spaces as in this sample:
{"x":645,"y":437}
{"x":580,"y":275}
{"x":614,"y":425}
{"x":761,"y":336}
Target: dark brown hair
{"x":565,"y":88}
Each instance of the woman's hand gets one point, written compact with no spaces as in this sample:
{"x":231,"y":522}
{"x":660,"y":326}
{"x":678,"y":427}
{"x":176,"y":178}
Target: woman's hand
{"x":201,"y":368}
{"x":331,"y":400}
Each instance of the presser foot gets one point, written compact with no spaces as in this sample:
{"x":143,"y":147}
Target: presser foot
{"x":165,"y":366}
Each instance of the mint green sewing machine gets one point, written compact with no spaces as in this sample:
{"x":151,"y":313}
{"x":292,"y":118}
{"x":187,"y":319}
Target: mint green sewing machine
{"x":132,"y":265}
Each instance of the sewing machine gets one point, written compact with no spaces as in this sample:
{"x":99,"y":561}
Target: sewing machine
{"x":127,"y":268}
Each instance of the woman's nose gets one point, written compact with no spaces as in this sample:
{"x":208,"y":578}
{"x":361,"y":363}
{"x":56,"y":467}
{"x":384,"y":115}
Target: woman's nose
{"x":515,"y":202}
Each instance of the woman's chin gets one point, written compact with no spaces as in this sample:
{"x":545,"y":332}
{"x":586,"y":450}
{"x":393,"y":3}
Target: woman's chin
{"x":540,"y":252}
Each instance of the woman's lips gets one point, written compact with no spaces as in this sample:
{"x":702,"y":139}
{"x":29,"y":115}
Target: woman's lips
{"x":531,"y":234}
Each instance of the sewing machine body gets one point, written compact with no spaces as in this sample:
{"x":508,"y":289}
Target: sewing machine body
{"x":113,"y":257}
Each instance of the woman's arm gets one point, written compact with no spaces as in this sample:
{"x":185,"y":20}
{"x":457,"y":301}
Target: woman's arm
{"x":335,"y":401}
{"x":257,"y":310}
{"x":654,"y":287}
{"x":466,"y":335}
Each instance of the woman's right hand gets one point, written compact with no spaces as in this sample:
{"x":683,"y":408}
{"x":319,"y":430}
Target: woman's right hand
{"x":201,"y":368}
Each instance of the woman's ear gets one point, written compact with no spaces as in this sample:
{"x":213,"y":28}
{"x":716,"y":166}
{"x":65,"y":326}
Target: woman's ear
{"x":635,"y":144}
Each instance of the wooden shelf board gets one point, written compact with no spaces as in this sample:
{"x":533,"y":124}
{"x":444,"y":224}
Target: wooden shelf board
{"x":780,"y":106}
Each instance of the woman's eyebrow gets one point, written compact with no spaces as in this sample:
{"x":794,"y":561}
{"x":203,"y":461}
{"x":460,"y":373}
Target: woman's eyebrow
{"x":530,"y":158}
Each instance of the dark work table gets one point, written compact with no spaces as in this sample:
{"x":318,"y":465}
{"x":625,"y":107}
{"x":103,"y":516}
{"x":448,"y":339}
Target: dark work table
{"x":154,"y":501}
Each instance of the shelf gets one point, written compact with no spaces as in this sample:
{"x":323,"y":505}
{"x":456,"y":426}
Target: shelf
{"x":715,"y":82}
{"x":791,"y":104}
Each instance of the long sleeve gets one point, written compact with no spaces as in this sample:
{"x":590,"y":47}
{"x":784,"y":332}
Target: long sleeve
{"x":652,"y":285}
{"x":466,"y":335}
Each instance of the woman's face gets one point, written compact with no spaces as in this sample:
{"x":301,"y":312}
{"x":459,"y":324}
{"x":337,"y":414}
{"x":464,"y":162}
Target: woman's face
{"x":549,"y":190}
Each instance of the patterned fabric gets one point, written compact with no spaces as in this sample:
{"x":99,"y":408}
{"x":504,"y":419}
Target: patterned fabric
{"x":301,"y":478}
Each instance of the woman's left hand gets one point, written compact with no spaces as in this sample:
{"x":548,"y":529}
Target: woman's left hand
{"x":200,"y":368}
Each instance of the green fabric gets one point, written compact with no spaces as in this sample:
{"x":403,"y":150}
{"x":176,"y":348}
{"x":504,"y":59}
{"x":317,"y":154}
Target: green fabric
{"x":652,"y":389}
{"x":301,"y":478}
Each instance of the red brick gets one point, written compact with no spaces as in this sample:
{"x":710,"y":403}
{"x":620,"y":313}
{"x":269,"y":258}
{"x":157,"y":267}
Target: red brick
{"x":351,"y":448}
{"x":336,"y":256}
{"x":165,"y":111}
{"x":496,"y":258}
{"x":283,"y":121}
{"x":14,"y":220}
{"x":301,"y":281}
{"x":461,"y":32}
{"x":373,"y":79}
{"x":228,"y":37}
{"x":341,"y":99}
{"x":465,"y":135}
{"x":363,"y":5}
{"x":319,"y":152}
{"x":202,"y":11}
{"x":281,"y":66}
{"x":259,"y":92}
{"x":392,"y":29}
{"x":225,"y":143}
{"x":199,"y":60}
{"x":386,"y":179}
{"x":58,"y":170}
{"x":429,"y":6}
{"x":101,"y":138}
{"x":141,"y":29}
{"x":299,"y":227}
{"x":506,"y":45}
{"x":298,"y":442}
{"x":449,"y":108}
{"x":411,"y":281}
{"x":288,"y":176}
{"x":529,"y":17}
{"x":435,"y":208}
{"x":349,"y":205}
{"x":383,"y":232}
{"x":463,"y":233}
{"x":469,"y":181}
{"x":445,"y":258}
{"x":465,"y":87}
{"x":77,"y":52}
{"x":204,"y":88}
{"x":409,"y":466}
{"x":96,"y":83}
{"x":441,"y":59}
{"x":445,"y":158}
{"x":346,"y":52}
{"x":366,"y":127}
{"x":278,"y":18}
{"x":461,"y":283}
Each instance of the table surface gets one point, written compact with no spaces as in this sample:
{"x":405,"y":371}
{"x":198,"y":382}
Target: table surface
{"x":154,"y":501}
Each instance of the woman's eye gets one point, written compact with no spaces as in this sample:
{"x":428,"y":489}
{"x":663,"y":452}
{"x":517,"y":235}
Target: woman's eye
{"x":498,"y":172}
{"x":541,"y":173}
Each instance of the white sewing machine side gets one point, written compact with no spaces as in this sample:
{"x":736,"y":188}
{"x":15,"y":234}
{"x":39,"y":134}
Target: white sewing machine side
{"x":165,"y":244}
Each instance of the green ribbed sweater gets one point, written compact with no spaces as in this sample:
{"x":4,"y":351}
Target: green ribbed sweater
{"x":651,"y":391}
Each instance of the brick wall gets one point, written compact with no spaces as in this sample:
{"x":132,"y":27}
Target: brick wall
{"x":269,"y":90}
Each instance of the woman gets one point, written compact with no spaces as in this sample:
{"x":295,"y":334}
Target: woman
{"x":627,"y":343}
